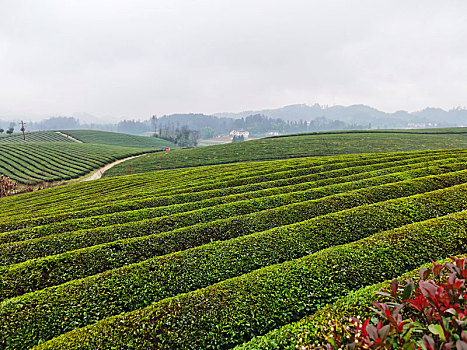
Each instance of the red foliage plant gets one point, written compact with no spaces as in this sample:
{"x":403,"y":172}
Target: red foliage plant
{"x":431,"y":317}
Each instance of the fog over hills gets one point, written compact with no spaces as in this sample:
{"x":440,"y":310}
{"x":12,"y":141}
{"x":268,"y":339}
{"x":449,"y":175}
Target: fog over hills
{"x":285,"y":120}
{"x":362,"y":114}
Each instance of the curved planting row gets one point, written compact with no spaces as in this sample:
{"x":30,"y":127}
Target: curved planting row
{"x":308,"y":330}
{"x":154,"y":198}
{"x":188,"y":176}
{"x":233,"y":311}
{"x":38,"y":165}
{"x":86,"y":301}
{"x":31,"y":163}
{"x":115,"y":256}
{"x":244,"y":217}
{"x":210,"y":181}
{"x":37,"y":136}
{"x":118,"y":139}
{"x":291,"y":147}
{"x":108,"y":188}
{"x":271,"y":197}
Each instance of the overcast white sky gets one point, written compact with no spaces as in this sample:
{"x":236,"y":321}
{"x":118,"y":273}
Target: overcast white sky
{"x":141,"y":57}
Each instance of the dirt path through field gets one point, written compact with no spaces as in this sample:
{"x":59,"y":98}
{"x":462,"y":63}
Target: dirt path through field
{"x":68,"y":136}
{"x":98,"y":173}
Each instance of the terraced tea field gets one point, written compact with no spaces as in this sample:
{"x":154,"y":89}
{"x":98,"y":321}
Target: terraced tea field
{"x":37,"y":136}
{"x":47,"y":156}
{"x":34,"y":162}
{"x":118,"y":139}
{"x":306,"y":145}
{"x":215,"y":257}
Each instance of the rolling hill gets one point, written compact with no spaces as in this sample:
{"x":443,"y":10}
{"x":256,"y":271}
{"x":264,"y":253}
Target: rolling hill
{"x":213,"y":256}
{"x":118,"y":139}
{"x":33,"y":162}
{"x":46,"y":156}
{"x":305,"y":145}
{"x":36,"y":136}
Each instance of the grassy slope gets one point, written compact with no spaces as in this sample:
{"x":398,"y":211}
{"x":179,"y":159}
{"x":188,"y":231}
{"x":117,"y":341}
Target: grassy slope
{"x":258,"y":214}
{"x":318,"y":144}
{"x":37,"y":136}
{"x":117,"y":139}
{"x":34,"y":162}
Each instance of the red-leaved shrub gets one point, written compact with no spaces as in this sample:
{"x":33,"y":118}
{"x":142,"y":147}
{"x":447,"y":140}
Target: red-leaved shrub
{"x":432,"y":316}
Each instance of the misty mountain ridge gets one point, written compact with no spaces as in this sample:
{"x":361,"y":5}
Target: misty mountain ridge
{"x":361,"y":114}
{"x":285,"y":120}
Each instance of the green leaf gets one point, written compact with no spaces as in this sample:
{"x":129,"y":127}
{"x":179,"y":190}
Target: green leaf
{"x":408,"y":289}
{"x":438,"y":330}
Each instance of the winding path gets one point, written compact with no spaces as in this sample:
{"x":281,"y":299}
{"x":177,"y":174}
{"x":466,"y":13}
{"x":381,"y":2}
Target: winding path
{"x":99,"y":172}
{"x":68,"y":137}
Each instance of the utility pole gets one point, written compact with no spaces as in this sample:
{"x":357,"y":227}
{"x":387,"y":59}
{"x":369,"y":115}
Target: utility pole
{"x":23,"y":129}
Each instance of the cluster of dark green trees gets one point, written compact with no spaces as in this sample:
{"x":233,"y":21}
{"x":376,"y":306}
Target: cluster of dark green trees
{"x":9,"y":131}
{"x":258,"y":125}
{"x":181,"y":136}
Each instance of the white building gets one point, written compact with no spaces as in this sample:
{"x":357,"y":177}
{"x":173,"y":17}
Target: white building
{"x":238,"y":133}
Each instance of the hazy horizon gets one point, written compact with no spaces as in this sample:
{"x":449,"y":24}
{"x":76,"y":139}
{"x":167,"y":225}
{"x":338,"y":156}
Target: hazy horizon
{"x":91,"y":118}
{"x":122,"y":59}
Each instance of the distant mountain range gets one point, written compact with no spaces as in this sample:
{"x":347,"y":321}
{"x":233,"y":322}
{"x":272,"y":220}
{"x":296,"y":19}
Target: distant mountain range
{"x":285,"y":120}
{"x":363,"y":115}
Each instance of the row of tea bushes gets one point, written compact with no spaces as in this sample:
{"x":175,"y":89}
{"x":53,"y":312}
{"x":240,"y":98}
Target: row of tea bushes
{"x":309,"y":330}
{"x":88,"y":300}
{"x":271,"y":197}
{"x":233,"y":311}
{"x":261,"y":214}
{"x":31,"y":163}
{"x":85,"y":197}
{"x":162,"y":206}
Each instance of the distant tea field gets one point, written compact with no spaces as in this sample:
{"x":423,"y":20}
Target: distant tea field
{"x":214,"y":257}
{"x":47,"y":156}
{"x":306,"y":145}
{"x":118,"y":139}
{"x":34,"y":162}
{"x":37,"y":136}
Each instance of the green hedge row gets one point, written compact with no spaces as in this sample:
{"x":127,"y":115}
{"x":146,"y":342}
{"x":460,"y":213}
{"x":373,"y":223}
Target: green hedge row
{"x":181,"y":175}
{"x":107,"y":209}
{"x":308,"y":330}
{"x":302,"y":192}
{"x":271,"y":186}
{"x":245,"y":191}
{"x":291,"y":147}
{"x":162,"y":180}
{"x":359,"y":222}
{"x":26,"y":161}
{"x":235,"y":180}
{"x":307,"y":207}
{"x":50,"y":210}
{"x":80,"y":204}
{"x":32,"y":169}
{"x":233,"y":311}
{"x":36,"y":136}
{"x":81,"y":302}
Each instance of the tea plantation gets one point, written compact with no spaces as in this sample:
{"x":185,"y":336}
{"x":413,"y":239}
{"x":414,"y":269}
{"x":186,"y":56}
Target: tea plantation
{"x":46,"y":156}
{"x":305,"y":145}
{"x":214,"y":257}
{"x":118,"y":139}
{"x":37,"y":136}
{"x":34,"y":162}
